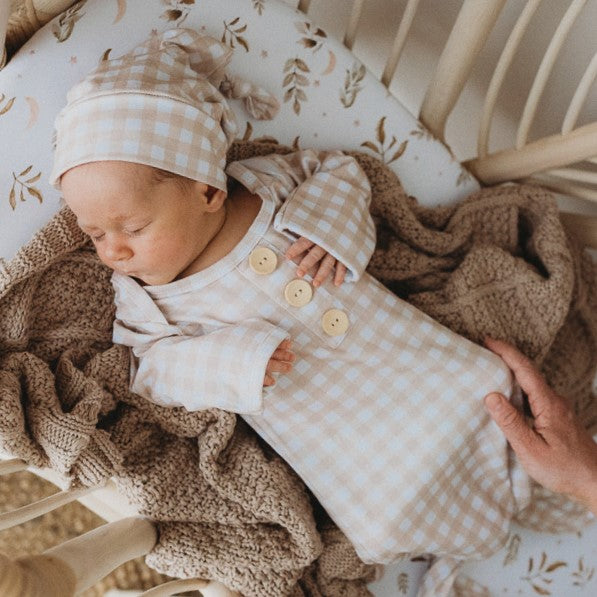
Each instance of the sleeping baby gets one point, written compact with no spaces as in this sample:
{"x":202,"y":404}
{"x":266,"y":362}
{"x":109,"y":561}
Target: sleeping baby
{"x":243,"y":287}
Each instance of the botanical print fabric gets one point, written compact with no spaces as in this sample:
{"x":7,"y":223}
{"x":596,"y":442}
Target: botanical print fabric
{"x":329,"y":100}
{"x":326,"y":96}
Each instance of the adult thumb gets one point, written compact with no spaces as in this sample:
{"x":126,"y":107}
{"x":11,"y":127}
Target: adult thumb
{"x":510,"y":420}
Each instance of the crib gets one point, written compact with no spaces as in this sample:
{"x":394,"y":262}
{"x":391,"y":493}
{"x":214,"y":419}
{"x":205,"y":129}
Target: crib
{"x":406,"y":80}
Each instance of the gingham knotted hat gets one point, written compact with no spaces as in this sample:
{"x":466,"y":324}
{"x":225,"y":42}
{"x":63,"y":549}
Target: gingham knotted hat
{"x":162,"y":104}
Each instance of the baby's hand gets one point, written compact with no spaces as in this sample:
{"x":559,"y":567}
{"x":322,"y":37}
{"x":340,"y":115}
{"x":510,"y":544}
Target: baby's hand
{"x":280,"y":362}
{"x":314,"y":255}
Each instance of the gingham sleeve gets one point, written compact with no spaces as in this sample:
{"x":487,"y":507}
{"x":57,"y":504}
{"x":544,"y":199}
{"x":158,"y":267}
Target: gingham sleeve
{"x":222,"y":369}
{"x":324,"y":197}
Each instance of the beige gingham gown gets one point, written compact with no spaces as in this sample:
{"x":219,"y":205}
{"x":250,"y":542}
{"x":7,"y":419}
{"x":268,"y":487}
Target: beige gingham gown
{"x":385,"y":422}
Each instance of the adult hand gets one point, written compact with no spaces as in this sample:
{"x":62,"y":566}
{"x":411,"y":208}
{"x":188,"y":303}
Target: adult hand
{"x":312,"y":255}
{"x":556,"y":450}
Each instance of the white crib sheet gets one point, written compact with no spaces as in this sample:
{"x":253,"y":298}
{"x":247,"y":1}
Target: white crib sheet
{"x":328,"y":100}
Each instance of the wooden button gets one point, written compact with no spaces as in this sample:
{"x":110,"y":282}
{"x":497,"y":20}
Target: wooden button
{"x":334,"y":322}
{"x":263,"y":260}
{"x":298,"y":293}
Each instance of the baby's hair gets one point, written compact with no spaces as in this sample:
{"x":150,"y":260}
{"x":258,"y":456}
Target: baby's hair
{"x":158,"y":175}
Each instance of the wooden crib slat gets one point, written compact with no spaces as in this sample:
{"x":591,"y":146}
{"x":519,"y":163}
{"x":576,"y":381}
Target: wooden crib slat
{"x":207,"y":588}
{"x":76,"y":565}
{"x":499,"y":74}
{"x":565,"y":187}
{"x":548,"y":152}
{"x":545,"y":69}
{"x":472,"y":27}
{"x":96,"y":553}
{"x":580,"y":95}
{"x":176,"y":586}
{"x":35,"y":576}
{"x":575,"y":174}
{"x":14,"y":465}
{"x":399,"y":41}
{"x":30,"y":511}
{"x":353,"y":23}
{"x":583,"y":227}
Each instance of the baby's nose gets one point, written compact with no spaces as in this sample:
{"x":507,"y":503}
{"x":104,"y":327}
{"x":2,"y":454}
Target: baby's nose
{"x":117,"y":251}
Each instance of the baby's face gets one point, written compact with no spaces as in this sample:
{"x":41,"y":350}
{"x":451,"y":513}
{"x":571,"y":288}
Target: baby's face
{"x":142,"y":228}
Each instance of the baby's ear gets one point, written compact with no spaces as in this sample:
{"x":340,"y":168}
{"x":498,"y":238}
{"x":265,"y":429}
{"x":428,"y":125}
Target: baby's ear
{"x":215,"y":198}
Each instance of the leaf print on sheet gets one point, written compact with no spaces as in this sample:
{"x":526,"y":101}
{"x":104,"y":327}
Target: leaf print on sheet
{"x":583,"y":574}
{"x":464,"y":177}
{"x":178,"y":11}
{"x":63,"y":29}
{"x":33,"y":111}
{"x":422,"y":133}
{"x":7,"y":106}
{"x":331,"y":65}
{"x":121,"y":11}
{"x":465,"y":585}
{"x":314,"y":37}
{"x":295,"y":79}
{"x":21,"y":184}
{"x":352,"y":84}
{"x":380,"y":148}
{"x":512,"y":549}
{"x":259,"y":6}
{"x":539,"y":576}
{"x":232,"y":34}
{"x":403,"y":583}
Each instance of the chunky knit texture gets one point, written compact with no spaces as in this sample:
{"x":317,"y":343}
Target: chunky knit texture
{"x":227,"y":507}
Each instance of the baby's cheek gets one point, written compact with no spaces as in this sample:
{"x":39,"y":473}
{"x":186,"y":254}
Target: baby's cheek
{"x":162,"y":251}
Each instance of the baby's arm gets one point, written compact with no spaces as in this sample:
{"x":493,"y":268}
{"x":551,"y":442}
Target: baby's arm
{"x":226,"y":368}
{"x":326,"y":197}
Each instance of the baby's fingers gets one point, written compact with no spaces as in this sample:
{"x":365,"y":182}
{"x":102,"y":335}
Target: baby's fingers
{"x":283,"y":354}
{"x":314,"y":256}
{"x":298,"y":247}
{"x":325,"y":269}
{"x":340,"y":273}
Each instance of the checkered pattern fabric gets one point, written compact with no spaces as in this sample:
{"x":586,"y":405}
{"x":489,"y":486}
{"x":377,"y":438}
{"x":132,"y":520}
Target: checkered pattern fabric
{"x":385,"y":422}
{"x":160,"y":105}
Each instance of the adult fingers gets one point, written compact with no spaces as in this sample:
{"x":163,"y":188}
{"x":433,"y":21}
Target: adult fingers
{"x":314,"y":256}
{"x":298,"y":247}
{"x":325,"y":269}
{"x":522,"y":438}
{"x":530,"y":380}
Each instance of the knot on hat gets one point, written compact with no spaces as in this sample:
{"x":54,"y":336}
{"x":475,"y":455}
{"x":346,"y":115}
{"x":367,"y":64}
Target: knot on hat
{"x":162,"y":104}
{"x":258,"y":102}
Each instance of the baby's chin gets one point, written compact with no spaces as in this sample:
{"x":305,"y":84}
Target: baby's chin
{"x":152,"y":279}
{"x":148,"y":279}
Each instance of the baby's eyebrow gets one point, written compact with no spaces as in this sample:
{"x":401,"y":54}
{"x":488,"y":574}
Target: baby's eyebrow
{"x":84,"y":225}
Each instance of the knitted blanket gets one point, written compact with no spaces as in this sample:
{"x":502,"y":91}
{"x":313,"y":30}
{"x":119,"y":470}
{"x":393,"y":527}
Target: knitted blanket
{"x":227,"y":507}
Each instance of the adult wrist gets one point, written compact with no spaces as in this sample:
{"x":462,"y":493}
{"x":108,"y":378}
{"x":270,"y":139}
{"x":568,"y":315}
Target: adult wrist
{"x":591,"y":501}
{"x":588,"y":495}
